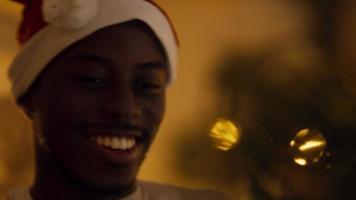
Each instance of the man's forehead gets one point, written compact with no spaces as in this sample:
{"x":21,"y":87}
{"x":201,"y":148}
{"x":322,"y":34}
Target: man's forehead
{"x":104,"y":59}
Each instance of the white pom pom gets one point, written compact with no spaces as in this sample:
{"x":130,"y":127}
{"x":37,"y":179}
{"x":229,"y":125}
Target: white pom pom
{"x":69,"y":14}
{"x":53,"y":9}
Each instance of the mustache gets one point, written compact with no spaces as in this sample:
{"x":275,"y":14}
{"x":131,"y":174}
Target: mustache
{"x":115,"y":125}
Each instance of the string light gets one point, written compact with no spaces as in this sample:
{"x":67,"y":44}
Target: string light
{"x":224,"y":134}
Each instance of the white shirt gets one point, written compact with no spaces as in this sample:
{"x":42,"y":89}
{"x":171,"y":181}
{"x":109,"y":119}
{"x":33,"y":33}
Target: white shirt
{"x":144,"y":191}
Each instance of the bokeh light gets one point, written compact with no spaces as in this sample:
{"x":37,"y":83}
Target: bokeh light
{"x":308,"y":146}
{"x":224,"y":134}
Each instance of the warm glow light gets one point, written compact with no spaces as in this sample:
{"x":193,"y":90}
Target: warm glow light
{"x":3,"y":175}
{"x":224,"y":134}
{"x":310,"y":145}
{"x":10,"y":9}
{"x":300,"y":161}
{"x":307,"y":146}
{"x":302,"y":132}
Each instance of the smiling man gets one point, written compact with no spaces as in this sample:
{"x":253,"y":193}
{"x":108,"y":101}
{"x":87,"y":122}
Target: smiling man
{"x":92,"y":76}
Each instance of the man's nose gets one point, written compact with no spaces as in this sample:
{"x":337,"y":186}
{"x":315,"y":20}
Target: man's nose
{"x":121,"y":102}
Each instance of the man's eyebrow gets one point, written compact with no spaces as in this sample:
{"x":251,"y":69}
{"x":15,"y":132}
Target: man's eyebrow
{"x":103,"y":59}
{"x":152,"y":65}
{"x":92,"y":57}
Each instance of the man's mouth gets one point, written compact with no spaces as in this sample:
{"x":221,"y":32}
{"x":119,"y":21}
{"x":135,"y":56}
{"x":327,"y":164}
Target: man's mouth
{"x":117,"y":146}
{"x":122,"y":143}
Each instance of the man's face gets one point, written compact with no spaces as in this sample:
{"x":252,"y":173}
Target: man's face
{"x":99,"y":104}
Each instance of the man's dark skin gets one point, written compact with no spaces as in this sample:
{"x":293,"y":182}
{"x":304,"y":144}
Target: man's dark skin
{"x":112,"y":83}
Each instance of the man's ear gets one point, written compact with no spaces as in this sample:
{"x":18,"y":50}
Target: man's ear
{"x":28,"y":103}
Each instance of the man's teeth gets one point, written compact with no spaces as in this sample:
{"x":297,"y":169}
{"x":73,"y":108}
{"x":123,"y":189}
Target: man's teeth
{"x":120,"y":143}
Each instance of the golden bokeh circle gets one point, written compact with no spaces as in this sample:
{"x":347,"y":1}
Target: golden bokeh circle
{"x":308,"y":146}
{"x":224,"y":134}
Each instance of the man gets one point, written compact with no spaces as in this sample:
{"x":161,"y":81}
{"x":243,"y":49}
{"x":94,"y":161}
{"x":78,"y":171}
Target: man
{"x":92,"y":76}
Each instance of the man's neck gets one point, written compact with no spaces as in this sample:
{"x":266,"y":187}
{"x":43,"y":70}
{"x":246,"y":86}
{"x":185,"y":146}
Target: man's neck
{"x":53,"y":182}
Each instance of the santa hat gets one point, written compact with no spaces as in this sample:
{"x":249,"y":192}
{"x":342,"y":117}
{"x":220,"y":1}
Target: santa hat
{"x":50,"y":26}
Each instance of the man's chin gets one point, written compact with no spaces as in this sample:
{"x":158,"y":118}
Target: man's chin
{"x":115,"y":187}
{"x":119,"y":182}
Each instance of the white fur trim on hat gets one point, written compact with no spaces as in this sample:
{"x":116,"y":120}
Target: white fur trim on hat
{"x":60,"y":34}
{"x":69,"y":14}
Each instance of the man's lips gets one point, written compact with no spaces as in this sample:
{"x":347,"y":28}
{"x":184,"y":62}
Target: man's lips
{"x":115,"y":143}
{"x":120,"y":142}
{"x":121,"y":147}
{"x":123,"y":140}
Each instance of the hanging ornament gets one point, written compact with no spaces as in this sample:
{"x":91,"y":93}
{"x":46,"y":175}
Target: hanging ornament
{"x":308,"y":146}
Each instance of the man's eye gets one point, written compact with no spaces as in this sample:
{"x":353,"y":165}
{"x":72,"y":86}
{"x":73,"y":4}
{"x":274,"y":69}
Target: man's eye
{"x":148,"y":87}
{"x":91,"y":82}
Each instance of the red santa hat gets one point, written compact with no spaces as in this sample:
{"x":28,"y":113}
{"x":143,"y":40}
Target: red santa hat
{"x":50,"y":26}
